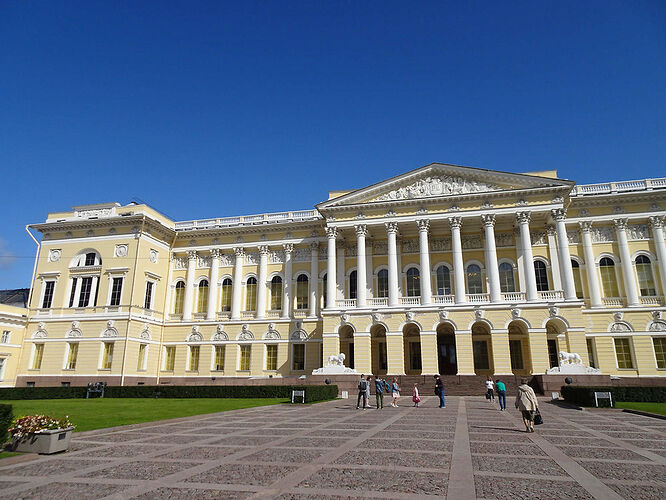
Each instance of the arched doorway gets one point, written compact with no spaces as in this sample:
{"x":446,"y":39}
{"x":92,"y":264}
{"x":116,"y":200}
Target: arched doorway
{"x":482,"y":349}
{"x":519,"y":348}
{"x":556,"y":339}
{"x":446,"y":349}
{"x":411,"y":334}
{"x":378,"y":349}
{"x":346,"y":333}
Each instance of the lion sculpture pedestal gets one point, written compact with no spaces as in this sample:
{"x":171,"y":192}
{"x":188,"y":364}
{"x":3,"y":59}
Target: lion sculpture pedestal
{"x":334,"y":366}
{"x":571,"y":364}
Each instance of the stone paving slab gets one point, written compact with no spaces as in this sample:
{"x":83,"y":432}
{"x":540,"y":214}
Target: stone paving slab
{"x":331,"y":451}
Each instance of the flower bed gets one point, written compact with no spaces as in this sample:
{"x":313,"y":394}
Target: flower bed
{"x":41,"y":434}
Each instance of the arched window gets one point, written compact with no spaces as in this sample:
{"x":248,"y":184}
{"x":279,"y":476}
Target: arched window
{"x":86,"y":258}
{"x":413,"y":282}
{"x":324,"y":289}
{"x":507,"y":283}
{"x":179,"y":298}
{"x":202,"y":296}
{"x":382,"y":283}
{"x":608,"y":277}
{"x":578,"y":282}
{"x":251,"y":294}
{"x":276,"y":293}
{"x":474,"y":282}
{"x":443,"y":281}
{"x":226,"y":294}
{"x":302,"y":291}
{"x":645,"y":276}
{"x":353,"y":287}
{"x":541,"y":275}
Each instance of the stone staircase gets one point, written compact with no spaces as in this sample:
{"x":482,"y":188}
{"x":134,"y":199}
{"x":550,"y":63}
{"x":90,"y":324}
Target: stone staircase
{"x":455,"y":385}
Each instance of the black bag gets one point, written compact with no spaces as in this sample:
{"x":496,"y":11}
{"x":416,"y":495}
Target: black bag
{"x":438,"y":391}
{"x":487,"y":395}
{"x":362,"y":385}
{"x":538,"y":419}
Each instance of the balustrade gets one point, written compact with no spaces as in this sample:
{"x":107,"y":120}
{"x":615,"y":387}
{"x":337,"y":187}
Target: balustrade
{"x":443,"y":299}
{"x":345,"y":303}
{"x":613,"y":301}
{"x":513,"y":296}
{"x":410,"y":301}
{"x":551,"y":295}
{"x":378,"y":301}
{"x":651,"y":301}
{"x":476,"y":298}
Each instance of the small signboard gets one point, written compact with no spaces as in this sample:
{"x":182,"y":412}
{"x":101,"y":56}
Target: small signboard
{"x":602,"y":395}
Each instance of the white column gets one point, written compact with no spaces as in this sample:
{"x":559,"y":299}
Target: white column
{"x":560,"y":215}
{"x":286,"y":288}
{"x":261,"y":282}
{"x":368,"y":268}
{"x":625,"y":261}
{"x":523,"y":219}
{"x":401,"y":277}
{"x":212,"y":285}
{"x":341,"y":270}
{"x":458,"y":264}
{"x":392,"y":229}
{"x":492,"y":268}
{"x":554,"y":258}
{"x":314,"y":277}
{"x":331,"y":287}
{"x":660,"y":247}
{"x":361,"y":233}
{"x":590,"y":265}
{"x":424,"y":249}
{"x":237,"y":284}
{"x":519,"y":260}
{"x":189,"y":285}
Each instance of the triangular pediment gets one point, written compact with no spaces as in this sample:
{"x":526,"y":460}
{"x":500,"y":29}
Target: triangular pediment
{"x":439,"y":180}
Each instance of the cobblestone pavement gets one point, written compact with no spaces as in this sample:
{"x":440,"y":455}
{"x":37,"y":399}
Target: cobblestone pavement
{"x":332,"y":451}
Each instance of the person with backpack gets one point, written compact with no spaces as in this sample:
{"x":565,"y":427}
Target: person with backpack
{"x":379,"y":392}
{"x":501,"y":394}
{"x":439,"y":391}
{"x":362,"y":393}
{"x":395,"y":388}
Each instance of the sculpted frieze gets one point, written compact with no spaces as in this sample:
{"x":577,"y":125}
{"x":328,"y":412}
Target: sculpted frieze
{"x":470,"y":242}
{"x":573,"y":236}
{"x":410,"y":246}
{"x":252,"y":258}
{"x":380,"y":248}
{"x":638,"y":232}
{"x":440,"y":244}
{"x":437,"y":186}
{"x":276,"y":257}
{"x":538,"y":237}
{"x":602,"y":234}
{"x":180,"y":262}
{"x":504,"y":239}
{"x":302,"y":255}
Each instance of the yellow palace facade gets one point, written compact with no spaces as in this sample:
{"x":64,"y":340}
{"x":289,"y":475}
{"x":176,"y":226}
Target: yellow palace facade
{"x":444,"y":269}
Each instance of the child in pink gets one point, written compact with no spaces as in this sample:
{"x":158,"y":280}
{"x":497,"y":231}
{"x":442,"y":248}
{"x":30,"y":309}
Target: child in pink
{"x":415,"y":396}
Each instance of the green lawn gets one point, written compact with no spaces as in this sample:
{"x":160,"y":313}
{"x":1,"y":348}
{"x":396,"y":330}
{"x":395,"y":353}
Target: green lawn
{"x":89,"y":414}
{"x":7,"y":454}
{"x":659,"y":408}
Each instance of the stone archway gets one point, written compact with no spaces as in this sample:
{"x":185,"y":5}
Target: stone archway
{"x":378,"y":350}
{"x":482,"y":349}
{"x":556,"y":340}
{"x":411,"y":335}
{"x":519,"y":348}
{"x":447,"y":361}
{"x":346,"y":333}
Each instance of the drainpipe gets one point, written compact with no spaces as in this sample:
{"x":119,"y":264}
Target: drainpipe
{"x":164,"y":311}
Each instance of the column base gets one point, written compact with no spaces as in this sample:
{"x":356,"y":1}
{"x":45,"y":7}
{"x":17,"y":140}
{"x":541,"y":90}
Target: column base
{"x":465,"y":374}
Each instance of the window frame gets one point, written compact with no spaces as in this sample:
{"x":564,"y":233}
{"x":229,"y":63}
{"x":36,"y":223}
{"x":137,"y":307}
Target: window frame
{"x":193,"y":361}
{"x":202,"y":302}
{"x":216,"y":366}
{"x":614,"y":275}
{"x":650,"y":268}
{"x":276,"y":295}
{"x":271,"y":357}
{"x":413,"y":282}
{"x":149,"y":295}
{"x":169,"y":362}
{"x":106,"y":355}
{"x":663,"y":353}
{"x":302,"y":295}
{"x":541,"y":275}
{"x":47,"y":294}
{"x":631,"y":353}
{"x":244,"y":349}
{"x":115,"y":296}
{"x":226,"y":294}
{"x":37,"y":349}
{"x":505,"y":273}
{"x":71,"y":356}
{"x":300,"y":345}
{"x":179,"y":297}
{"x":443,"y":277}
{"x":468,"y":276}
{"x":382,"y":283}
{"x":251,"y":286}
{"x":142,"y":356}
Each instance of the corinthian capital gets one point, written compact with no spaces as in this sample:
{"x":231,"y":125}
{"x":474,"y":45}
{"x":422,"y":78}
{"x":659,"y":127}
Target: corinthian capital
{"x":191,"y":254}
{"x":361,"y":230}
{"x":455,"y":222}
{"x":423,"y":224}
{"x":657,"y":220}
{"x":263,"y":249}
{"x":559,"y":214}
{"x":331,"y":232}
{"x":585,"y":226}
{"x":523,"y":217}
{"x":620,"y":224}
{"x":488,"y":219}
{"x":391,"y":227}
{"x":288,"y":247}
{"x":215,"y":253}
{"x":239,"y":251}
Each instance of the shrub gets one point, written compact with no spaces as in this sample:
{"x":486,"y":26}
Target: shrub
{"x":5,"y":421}
{"x":313,"y":393}
{"x":584,"y":396}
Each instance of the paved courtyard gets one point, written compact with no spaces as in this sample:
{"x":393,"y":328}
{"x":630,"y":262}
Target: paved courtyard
{"x":332,"y":451}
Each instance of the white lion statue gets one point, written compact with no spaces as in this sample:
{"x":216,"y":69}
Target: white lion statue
{"x":569,"y":358}
{"x":338,"y":359}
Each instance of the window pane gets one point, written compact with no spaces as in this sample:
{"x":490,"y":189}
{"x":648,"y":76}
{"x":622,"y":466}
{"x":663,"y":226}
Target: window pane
{"x":141,"y":358}
{"x":516,"y":352}
{"x":480,"y":349}
{"x":507,"y":283}
{"x":251,"y":294}
{"x":271,"y":357}
{"x":623,"y":353}
{"x":299,"y":357}
{"x":645,"y":276}
{"x":590,"y":353}
{"x":86,"y":287}
{"x":474,"y":283}
{"x":244,"y":362}
{"x":72,"y":293}
{"x":72,"y":354}
{"x":194,"y":357}
{"x":413,"y":282}
{"x":37,"y":358}
{"x":90,"y":259}
{"x":660,"y":351}
{"x":148,"y":301}
{"x":116,"y":291}
{"x":578,"y":283}
{"x":443,"y":281}
{"x":219,"y":357}
{"x":608,"y":277}
{"x":382,"y":283}
{"x":302,"y":292}
{"x":179,"y":298}
{"x":48,"y":294}
{"x":541,"y":274}
{"x":202,"y":296}
{"x":170,"y":358}
{"x":276,"y":293}
{"x":226,"y":294}
{"x":107,"y":359}
{"x":352,"y":285}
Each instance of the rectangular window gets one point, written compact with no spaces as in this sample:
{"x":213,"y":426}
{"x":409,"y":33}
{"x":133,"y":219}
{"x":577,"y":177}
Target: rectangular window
{"x":72,"y":354}
{"x":660,"y":351}
{"x":194,"y":357}
{"x":5,"y":337}
{"x":219,"y":357}
{"x":271,"y":357}
{"x":244,"y":361}
{"x":48,"y":294}
{"x":86,"y":287}
{"x":623,"y":353}
{"x":116,"y":291}
{"x":383,"y":358}
{"x":415,"y":355}
{"x":72,"y":293}
{"x":169,"y":358}
{"x":516,"y":352}
{"x":481,"y":361}
{"x":148,"y":302}
{"x":382,"y":283}
{"x":590,"y":353}
{"x":141,"y":359}
{"x":107,"y":357}
{"x":37,"y":356}
{"x":578,"y":284}
{"x":299,"y":357}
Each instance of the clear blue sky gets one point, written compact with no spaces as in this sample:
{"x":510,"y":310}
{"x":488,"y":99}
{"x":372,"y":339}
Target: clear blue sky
{"x":206,"y":109}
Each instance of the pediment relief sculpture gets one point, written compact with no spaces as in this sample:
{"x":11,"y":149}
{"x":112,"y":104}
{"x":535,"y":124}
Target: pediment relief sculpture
{"x":437,"y":186}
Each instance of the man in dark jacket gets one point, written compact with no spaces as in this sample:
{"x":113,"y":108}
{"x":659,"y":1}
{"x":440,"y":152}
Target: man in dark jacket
{"x":379,"y":392}
{"x":362,"y":386}
{"x":439,"y":390}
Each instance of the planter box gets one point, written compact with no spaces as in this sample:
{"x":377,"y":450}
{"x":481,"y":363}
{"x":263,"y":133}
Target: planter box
{"x":45,"y":442}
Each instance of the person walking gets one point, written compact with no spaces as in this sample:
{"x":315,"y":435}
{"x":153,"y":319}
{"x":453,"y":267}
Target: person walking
{"x":439,"y":391}
{"x":395,"y":389}
{"x":367,"y":391}
{"x":526,"y":402}
{"x":415,"y":396}
{"x":501,"y":394}
{"x":379,"y":393}
{"x":362,"y":394}
{"x":490,"y":394}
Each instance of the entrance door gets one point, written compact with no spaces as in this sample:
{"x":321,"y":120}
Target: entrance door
{"x":446,"y":354}
{"x":552,"y":353}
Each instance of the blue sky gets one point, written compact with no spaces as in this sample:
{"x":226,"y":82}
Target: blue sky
{"x":213,"y":109}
